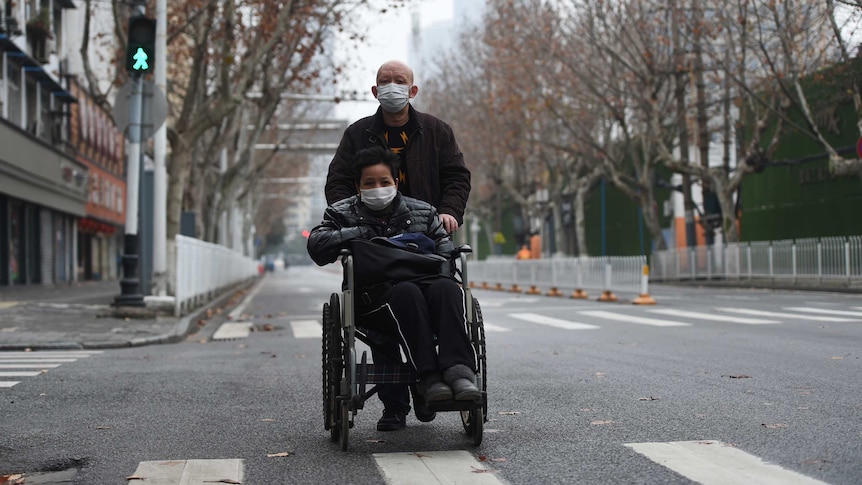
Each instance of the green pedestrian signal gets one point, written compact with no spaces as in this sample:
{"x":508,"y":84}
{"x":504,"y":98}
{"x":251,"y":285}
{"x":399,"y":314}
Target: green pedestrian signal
{"x":141,"y":45}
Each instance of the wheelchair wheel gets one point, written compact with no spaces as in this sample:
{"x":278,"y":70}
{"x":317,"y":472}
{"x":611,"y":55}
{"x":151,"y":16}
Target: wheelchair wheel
{"x":474,"y":424}
{"x":332,"y":365}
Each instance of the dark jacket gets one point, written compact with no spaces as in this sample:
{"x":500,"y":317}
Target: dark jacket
{"x":349,"y":219}
{"x":435,"y":165}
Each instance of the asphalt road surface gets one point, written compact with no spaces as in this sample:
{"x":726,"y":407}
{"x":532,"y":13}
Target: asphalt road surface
{"x":709,"y":386}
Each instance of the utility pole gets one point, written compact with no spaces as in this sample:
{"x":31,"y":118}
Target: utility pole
{"x":136,"y":63}
{"x":160,"y":176}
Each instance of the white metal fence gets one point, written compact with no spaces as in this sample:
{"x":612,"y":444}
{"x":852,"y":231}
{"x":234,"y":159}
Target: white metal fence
{"x":832,"y":260}
{"x":618,"y":274}
{"x":204,"y":269}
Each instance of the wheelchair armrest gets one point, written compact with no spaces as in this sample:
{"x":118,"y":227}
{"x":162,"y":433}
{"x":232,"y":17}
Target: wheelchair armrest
{"x":464,"y":248}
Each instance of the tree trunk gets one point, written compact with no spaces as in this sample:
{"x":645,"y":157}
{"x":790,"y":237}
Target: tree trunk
{"x":178,"y":171}
{"x":580,"y":222}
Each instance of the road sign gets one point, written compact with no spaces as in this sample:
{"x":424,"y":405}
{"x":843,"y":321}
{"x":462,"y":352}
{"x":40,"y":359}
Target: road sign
{"x":155,"y":109}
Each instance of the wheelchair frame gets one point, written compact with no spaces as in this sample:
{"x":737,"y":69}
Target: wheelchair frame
{"x":345,"y":380}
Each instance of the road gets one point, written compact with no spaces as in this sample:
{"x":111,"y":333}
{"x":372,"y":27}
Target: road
{"x":709,"y":386}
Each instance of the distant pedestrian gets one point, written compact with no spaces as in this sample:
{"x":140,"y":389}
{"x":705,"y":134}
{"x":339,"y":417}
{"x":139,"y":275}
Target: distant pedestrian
{"x":524,"y":253}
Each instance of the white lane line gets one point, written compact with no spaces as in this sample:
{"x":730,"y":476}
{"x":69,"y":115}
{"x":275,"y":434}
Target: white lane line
{"x":28,"y":366}
{"x":715,"y":463}
{"x":236,"y":312}
{"x":498,"y":302}
{"x":494,"y":328}
{"x":762,"y":313}
{"x":306,"y":328}
{"x":232,"y":330}
{"x":551,"y":322}
{"x":188,"y":472}
{"x":433,"y":467}
{"x":35,"y":361}
{"x":20,"y":373}
{"x":51,"y":353}
{"x":8,"y":384}
{"x":710,"y":316}
{"x":824,"y":311}
{"x":635,"y":319}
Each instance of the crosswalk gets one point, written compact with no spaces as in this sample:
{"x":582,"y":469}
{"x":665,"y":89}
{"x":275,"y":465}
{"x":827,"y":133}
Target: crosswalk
{"x":591,"y":318}
{"x":707,"y":462}
{"x":15,"y":365}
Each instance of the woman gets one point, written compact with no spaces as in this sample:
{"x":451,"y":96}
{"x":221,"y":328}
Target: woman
{"x":420,"y":308}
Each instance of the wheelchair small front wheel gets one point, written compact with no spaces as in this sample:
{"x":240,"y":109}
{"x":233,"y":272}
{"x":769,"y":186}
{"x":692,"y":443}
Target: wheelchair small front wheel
{"x":474,"y":421}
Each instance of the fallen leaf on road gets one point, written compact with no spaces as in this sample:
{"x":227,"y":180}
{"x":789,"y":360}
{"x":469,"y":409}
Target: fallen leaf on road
{"x":600,"y":375}
{"x":135,"y":477}
{"x":649,"y":398}
{"x":201,"y":323}
{"x":268,"y":420}
{"x":482,"y":470}
{"x":375,"y":441}
{"x":172,"y":463}
{"x":837,"y":357}
{"x":15,"y":479}
{"x":268,"y":327}
{"x":103,"y":427}
{"x":224,"y":480}
{"x":600,"y":423}
{"x":775,"y":425}
{"x":279,"y":455}
{"x":509,"y":413}
{"x":740,"y":376}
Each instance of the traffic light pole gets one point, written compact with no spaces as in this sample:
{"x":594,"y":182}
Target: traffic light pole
{"x":130,"y":285}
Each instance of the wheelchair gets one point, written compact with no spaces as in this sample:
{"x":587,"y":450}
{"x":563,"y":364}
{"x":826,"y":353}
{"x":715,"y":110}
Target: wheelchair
{"x":346,"y":380}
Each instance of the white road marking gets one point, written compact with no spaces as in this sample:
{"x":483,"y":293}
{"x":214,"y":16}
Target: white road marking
{"x":498,"y":302}
{"x":188,"y":472}
{"x":78,"y":354}
{"x":4,"y":365}
{"x":433,"y":467}
{"x":232,"y":330}
{"x":494,"y":328}
{"x":236,"y":312}
{"x":8,"y":384}
{"x":35,"y":361}
{"x":551,"y":322}
{"x":306,"y":328}
{"x":715,"y":463}
{"x":635,"y":319}
{"x":709,"y":316}
{"x":762,"y":313}
{"x":824,"y":311}
{"x":20,"y":373}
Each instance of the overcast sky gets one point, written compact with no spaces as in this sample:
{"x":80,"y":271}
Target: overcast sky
{"x":388,"y":36}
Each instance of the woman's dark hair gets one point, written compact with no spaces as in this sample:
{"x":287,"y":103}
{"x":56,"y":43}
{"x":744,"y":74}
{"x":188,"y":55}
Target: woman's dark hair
{"x":373,"y":156}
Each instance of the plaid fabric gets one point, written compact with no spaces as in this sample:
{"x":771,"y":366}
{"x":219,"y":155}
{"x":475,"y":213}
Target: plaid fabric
{"x":389,"y":373}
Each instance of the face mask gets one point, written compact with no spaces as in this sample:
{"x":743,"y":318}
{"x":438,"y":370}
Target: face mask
{"x":393,"y":97}
{"x":377,"y":199}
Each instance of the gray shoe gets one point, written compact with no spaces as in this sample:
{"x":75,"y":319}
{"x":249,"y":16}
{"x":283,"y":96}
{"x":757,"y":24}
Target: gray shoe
{"x":433,"y":389}
{"x":462,"y":381}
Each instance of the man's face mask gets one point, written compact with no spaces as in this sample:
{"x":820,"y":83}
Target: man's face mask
{"x":393,"y":97}
{"x":377,"y":198}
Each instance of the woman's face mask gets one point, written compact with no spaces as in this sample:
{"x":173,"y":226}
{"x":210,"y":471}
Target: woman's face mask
{"x":378,"y":198}
{"x":393,"y":97}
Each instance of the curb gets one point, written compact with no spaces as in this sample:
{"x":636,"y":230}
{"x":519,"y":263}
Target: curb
{"x":181,"y":329}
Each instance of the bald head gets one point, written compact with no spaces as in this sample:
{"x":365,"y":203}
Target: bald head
{"x":394,"y":72}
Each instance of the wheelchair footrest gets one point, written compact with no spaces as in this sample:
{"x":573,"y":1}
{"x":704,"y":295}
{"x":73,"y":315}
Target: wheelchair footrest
{"x":452,"y":405}
{"x":390,"y":374}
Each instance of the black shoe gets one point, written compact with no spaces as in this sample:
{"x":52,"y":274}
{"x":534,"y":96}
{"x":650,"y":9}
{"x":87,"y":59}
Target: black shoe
{"x":420,"y":407}
{"x":433,"y":388}
{"x":392,"y":421}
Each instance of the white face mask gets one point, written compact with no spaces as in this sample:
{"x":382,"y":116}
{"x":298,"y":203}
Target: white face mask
{"x":393,"y":97}
{"x":378,"y":198}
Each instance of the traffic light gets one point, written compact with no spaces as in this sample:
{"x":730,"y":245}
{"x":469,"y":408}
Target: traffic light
{"x":141,"y":46}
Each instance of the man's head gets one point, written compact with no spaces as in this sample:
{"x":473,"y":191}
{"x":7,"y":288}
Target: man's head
{"x":394,"y":86}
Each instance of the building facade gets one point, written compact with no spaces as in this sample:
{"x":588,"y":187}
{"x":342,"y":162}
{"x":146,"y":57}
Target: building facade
{"x":61,"y":169}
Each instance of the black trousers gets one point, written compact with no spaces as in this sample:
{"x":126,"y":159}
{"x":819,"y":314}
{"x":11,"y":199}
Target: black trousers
{"x":421,"y":310}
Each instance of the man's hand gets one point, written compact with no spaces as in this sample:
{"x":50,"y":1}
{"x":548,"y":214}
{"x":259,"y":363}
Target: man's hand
{"x":449,"y":223}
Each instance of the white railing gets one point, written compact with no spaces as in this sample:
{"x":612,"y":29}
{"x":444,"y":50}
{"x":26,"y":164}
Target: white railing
{"x":833,"y":260}
{"x":205,"y":269}
{"x":622,"y":274}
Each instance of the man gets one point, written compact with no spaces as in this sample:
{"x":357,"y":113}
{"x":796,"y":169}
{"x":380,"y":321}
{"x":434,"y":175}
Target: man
{"x":432,"y":169}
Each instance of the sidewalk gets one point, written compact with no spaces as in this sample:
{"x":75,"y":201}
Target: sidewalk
{"x":81,"y":316}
